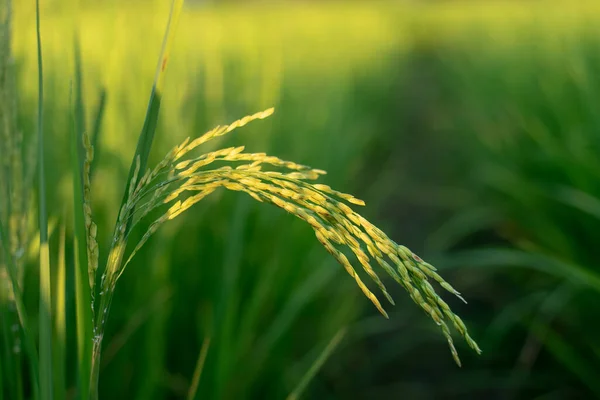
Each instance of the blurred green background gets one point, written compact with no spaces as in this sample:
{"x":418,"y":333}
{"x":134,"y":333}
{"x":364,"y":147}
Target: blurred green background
{"x":471,"y":129}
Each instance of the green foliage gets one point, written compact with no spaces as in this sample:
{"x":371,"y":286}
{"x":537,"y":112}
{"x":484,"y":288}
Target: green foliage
{"x":336,"y":225}
{"x":529,"y":122}
{"x":483,"y":115}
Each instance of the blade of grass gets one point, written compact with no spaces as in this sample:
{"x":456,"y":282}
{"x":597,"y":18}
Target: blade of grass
{"x":96,"y":128}
{"x":317,"y":364}
{"x":142,"y":153}
{"x":45,"y":319}
{"x":568,"y":356}
{"x":504,"y":257}
{"x":83,"y":296}
{"x":460,"y":226}
{"x":60,"y":321}
{"x":198,"y":371}
{"x":302,"y":295}
{"x":134,"y":324}
{"x":150,"y":123}
{"x":546,"y":312}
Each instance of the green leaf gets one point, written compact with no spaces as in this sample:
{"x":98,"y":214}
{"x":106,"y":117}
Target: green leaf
{"x":504,"y":257}
{"x":317,"y":364}
{"x":151,"y":121}
{"x":97,"y":127}
{"x":60,"y":320}
{"x":45,"y":312}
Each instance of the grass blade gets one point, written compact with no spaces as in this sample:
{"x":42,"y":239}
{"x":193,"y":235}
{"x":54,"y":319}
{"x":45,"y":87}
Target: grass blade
{"x":567,"y":354}
{"x":45,"y":318}
{"x":506,"y":257}
{"x":150,"y":123}
{"x":97,"y":127}
{"x":199,"y":367}
{"x":60,"y":320}
{"x":316,"y":366}
{"x":83,"y":296}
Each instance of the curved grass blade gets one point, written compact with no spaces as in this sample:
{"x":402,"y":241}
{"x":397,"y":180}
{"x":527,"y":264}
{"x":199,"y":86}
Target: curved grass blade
{"x":45,"y":318}
{"x":97,"y":127}
{"x":318,"y":364}
{"x":578,"y":199}
{"x":460,"y":226}
{"x":567,"y":354}
{"x":198,"y":371}
{"x":503,"y":257}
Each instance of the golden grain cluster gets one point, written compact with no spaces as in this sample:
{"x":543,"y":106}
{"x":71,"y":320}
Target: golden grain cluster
{"x":179,"y":181}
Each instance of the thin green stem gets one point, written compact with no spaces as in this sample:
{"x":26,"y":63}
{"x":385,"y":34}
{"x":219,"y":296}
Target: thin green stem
{"x":115,"y":258}
{"x":45,"y":318}
{"x":199,"y":368}
{"x":317,"y":364}
{"x":60,"y":322}
{"x":142,"y":153}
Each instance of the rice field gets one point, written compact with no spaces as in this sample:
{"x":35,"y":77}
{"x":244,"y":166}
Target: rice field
{"x":469,"y":130}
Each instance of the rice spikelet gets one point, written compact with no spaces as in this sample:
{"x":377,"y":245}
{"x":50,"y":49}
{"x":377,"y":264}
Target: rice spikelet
{"x":90,"y":226}
{"x":178,"y":182}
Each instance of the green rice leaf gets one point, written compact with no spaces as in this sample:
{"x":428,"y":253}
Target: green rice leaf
{"x":60,"y":320}
{"x":317,"y":364}
{"x":45,"y":311}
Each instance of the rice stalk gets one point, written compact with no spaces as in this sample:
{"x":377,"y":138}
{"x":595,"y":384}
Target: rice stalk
{"x":141,"y":155}
{"x":97,"y":127}
{"x":17,"y":295}
{"x":84,"y":305}
{"x":17,"y":163}
{"x":45,"y":311}
{"x":180,"y":181}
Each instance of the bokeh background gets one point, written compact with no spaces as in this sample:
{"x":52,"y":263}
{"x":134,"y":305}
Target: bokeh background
{"x":470,"y":128}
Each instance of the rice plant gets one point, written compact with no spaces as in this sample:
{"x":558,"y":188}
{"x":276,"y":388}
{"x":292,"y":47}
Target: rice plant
{"x":183,"y":178}
{"x":16,"y":172}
